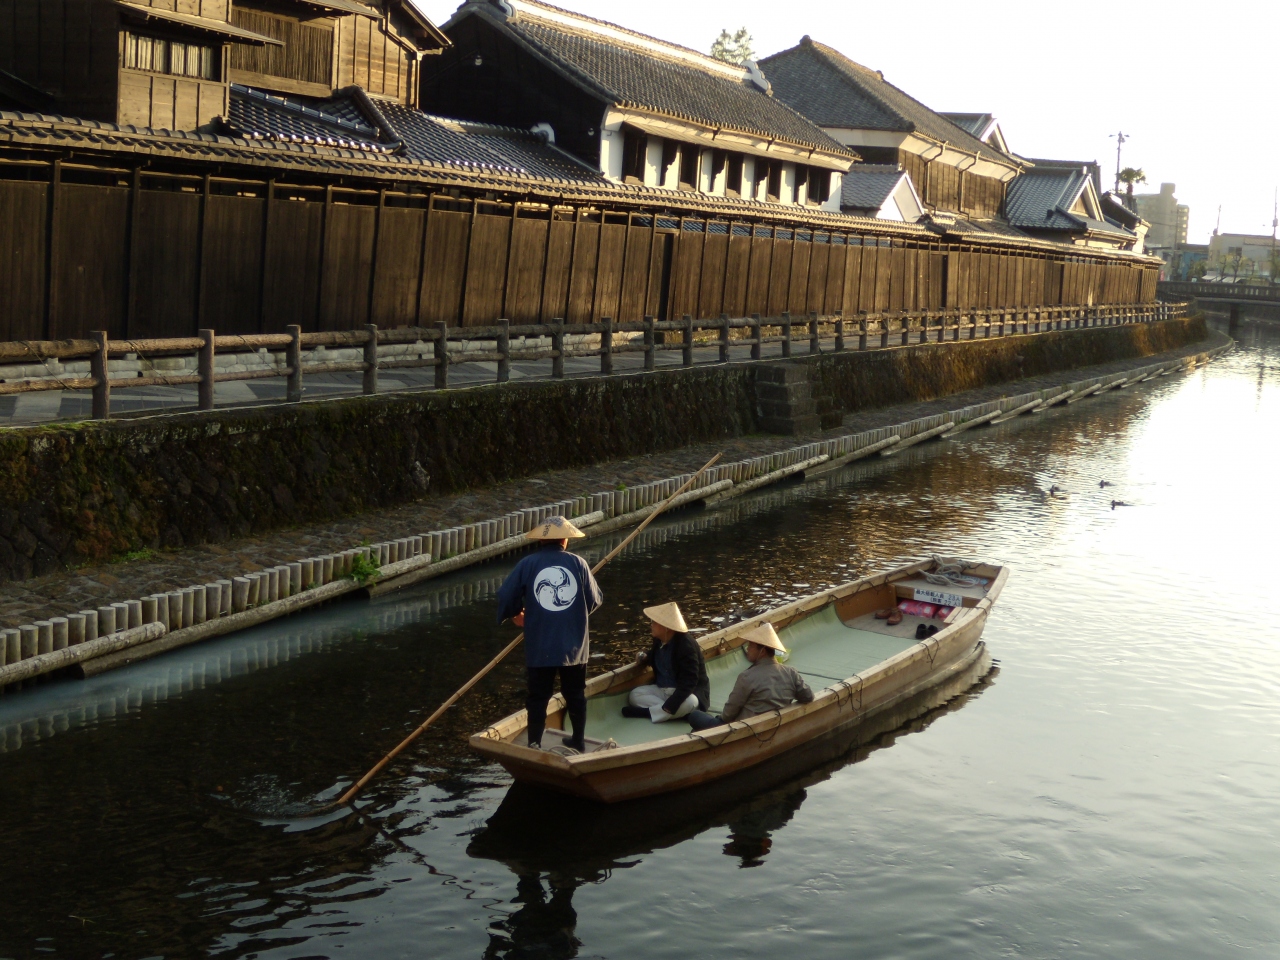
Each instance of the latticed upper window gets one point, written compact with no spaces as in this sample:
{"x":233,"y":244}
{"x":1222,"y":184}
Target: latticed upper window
{"x":170,"y":56}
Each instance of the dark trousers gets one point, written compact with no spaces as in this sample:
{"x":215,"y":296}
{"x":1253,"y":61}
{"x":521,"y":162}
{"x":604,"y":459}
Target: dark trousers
{"x":573,"y":683}
{"x":701,"y":720}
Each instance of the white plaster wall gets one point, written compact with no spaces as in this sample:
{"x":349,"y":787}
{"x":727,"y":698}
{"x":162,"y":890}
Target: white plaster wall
{"x":611,"y":152}
{"x":653,"y":162}
{"x":787,"y":193}
{"x":748,"y":177}
{"x":832,"y":204}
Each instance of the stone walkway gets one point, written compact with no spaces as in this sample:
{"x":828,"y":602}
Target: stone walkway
{"x":61,"y":593}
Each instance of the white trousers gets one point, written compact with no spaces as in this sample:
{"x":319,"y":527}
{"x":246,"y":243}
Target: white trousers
{"x":652,"y":697}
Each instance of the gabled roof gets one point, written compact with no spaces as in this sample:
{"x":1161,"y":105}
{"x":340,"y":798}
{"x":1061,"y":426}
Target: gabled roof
{"x":867,"y":185}
{"x":1116,"y":210}
{"x":631,"y":70}
{"x":352,"y":120}
{"x":981,"y":125}
{"x":221,"y":29}
{"x":1041,"y":199}
{"x":834,"y":91}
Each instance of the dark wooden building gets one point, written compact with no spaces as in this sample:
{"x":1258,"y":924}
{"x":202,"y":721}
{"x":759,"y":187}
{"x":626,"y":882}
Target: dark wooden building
{"x":169,"y":64}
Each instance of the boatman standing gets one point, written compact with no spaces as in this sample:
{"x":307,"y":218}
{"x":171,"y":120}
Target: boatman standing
{"x":550,"y":593}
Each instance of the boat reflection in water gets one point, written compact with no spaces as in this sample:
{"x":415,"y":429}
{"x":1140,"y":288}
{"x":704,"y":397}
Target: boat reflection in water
{"x":555,"y":843}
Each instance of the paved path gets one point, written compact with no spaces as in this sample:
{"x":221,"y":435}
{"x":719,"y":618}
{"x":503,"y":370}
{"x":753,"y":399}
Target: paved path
{"x":57,"y":594}
{"x":52,"y":405}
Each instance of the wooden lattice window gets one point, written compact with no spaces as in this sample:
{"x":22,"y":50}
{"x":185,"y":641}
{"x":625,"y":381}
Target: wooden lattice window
{"x":306,"y":56}
{"x":174,"y":57}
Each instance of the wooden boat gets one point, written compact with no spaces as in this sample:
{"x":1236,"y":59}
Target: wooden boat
{"x":859,"y":667}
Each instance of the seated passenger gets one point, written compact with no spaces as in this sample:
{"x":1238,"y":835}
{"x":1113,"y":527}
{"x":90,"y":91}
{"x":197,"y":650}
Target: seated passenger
{"x":680,"y":683}
{"x":765,"y":685}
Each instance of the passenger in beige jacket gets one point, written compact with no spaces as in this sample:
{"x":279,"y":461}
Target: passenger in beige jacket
{"x":765,"y":685}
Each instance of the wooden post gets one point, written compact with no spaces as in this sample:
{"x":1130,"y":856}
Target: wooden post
{"x":839,"y":332}
{"x":724,"y":338}
{"x":884,"y":331}
{"x":905,"y":321}
{"x":504,"y":351}
{"x":755,"y":336}
{"x":98,"y":368}
{"x":442,"y":355}
{"x":557,"y":347}
{"x":648,"y":343}
{"x":204,"y":366}
{"x":686,"y":355}
{"x":862,"y":330}
{"x":606,"y":345}
{"x":814,"y":347}
{"x":371,"y":359}
{"x":786,"y":333}
{"x":293,"y":358}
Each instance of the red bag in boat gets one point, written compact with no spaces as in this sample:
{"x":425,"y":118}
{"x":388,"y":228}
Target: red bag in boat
{"x":917,"y":608}
{"x":943,"y":612}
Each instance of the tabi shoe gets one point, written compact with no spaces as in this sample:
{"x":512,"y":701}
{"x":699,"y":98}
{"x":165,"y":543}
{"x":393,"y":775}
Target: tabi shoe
{"x":895,"y":618}
{"x":635,"y":713}
{"x":922,"y":631}
{"x":932,"y":629}
{"x":536,"y":745}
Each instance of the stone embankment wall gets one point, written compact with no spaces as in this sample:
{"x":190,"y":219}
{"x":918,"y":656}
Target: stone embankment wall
{"x":86,"y":492}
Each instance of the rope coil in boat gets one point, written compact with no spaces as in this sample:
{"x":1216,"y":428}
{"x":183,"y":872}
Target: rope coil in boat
{"x":950,"y":572}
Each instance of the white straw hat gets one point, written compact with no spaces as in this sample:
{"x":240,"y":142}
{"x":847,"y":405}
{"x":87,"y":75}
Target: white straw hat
{"x":668,"y":615}
{"x":766,"y":636}
{"x":554,"y":528}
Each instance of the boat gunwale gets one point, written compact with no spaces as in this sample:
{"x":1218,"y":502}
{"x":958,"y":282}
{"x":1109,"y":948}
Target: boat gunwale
{"x":491,"y":741}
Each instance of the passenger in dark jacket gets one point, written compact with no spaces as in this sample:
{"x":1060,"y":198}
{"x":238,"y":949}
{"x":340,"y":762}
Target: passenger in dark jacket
{"x":551,"y":593}
{"x":680,"y":682}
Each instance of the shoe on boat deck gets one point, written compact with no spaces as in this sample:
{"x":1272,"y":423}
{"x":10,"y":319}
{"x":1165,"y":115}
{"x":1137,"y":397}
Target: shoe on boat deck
{"x":636,"y":713}
{"x":885,"y":614}
{"x":895,"y":618}
{"x":922,"y":631}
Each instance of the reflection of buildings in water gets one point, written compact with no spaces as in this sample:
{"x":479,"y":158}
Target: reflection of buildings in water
{"x":544,"y":924}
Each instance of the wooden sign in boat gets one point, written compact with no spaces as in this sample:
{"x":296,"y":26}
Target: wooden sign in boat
{"x":860,"y":668}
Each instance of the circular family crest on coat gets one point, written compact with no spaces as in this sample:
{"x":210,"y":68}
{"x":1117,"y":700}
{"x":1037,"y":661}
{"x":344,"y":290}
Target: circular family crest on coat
{"x":555,"y":588}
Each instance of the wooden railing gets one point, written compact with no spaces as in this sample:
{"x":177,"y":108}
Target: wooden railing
{"x":407,"y":347}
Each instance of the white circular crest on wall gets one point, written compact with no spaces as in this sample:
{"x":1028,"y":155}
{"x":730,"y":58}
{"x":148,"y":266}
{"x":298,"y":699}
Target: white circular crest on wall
{"x":556,"y":589}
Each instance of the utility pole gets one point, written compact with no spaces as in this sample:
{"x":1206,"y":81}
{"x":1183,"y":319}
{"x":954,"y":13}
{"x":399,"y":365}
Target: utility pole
{"x":1120,"y":140}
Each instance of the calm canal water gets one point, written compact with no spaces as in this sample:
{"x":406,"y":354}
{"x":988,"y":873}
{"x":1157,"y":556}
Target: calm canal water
{"x":1112,"y":791}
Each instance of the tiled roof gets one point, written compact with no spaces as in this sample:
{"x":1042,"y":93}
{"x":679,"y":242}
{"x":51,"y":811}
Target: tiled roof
{"x":338,"y":122}
{"x":641,"y":77}
{"x":834,"y":91}
{"x":867,"y":186}
{"x":1041,"y":199}
{"x":352,"y":120}
{"x":979,"y":229}
{"x":975,"y":124}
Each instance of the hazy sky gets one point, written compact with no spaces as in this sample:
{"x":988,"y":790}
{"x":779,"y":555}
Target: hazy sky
{"x":1193,"y":87}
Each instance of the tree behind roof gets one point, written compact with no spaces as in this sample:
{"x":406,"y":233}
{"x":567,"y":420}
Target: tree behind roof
{"x":733,"y":48}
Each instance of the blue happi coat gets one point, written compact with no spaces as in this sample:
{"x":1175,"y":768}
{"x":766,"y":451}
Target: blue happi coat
{"x":557,"y":592}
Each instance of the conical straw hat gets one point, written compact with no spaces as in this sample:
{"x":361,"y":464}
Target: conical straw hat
{"x":766,"y":636}
{"x":554,"y":528}
{"x":669,"y":615}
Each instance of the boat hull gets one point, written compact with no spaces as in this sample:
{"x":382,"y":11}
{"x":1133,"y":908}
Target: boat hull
{"x":861,"y":702}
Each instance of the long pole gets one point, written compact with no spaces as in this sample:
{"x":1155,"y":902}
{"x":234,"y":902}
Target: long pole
{"x":377,"y":768}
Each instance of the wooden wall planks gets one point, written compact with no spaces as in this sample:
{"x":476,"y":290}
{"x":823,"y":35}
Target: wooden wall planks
{"x":338,"y":258}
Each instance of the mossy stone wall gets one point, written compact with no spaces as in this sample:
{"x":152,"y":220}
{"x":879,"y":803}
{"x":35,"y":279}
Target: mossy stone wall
{"x":86,"y":492}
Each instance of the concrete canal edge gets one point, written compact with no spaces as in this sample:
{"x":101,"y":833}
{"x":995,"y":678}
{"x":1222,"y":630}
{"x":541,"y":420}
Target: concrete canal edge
{"x":82,"y":493}
{"x":179,"y":618}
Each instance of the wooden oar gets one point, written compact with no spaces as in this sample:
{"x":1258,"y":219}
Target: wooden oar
{"x":377,"y":767}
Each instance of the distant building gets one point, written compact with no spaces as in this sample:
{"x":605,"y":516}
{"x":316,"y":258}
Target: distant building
{"x":1167,"y":217}
{"x":1237,"y":256}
